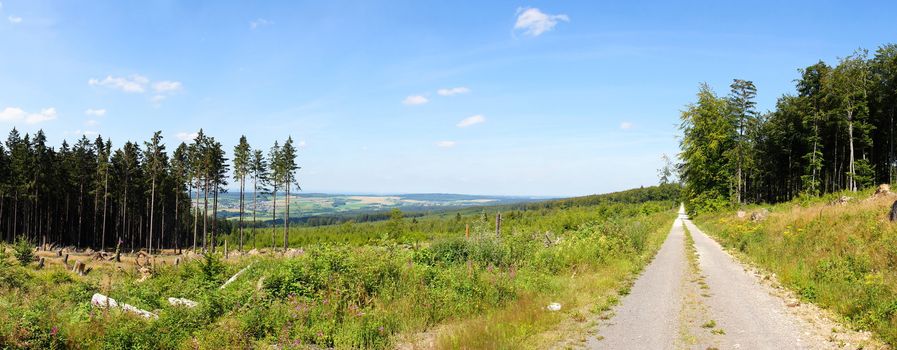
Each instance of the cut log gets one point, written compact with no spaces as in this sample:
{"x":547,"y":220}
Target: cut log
{"x":104,"y":302}
{"x":234,"y":277}
{"x":182,"y":302}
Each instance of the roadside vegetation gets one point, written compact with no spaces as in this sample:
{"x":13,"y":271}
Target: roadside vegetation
{"x":398,"y":281}
{"x":838,"y":255}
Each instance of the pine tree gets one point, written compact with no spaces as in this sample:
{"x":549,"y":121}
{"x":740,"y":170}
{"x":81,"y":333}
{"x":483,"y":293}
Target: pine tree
{"x":242,"y":153}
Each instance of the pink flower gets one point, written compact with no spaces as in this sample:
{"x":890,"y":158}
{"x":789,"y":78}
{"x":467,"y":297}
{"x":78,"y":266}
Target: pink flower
{"x":54,"y":331}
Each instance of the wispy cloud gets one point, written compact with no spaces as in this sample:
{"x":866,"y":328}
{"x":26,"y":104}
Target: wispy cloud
{"x":185,"y":136}
{"x":14,"y":19}
{"x":534,"y":22}
{"x":95,"y":112}
{"x":446,"y":144}
{"x":472,"y":120}
{"x":415,"y":100}
{"x":135,"y":83}
{"x":91,"y":122}
{"x":139,"y":84}
{"x":167,"y":86}
{"x":259,"y":22}
{"x":453,"y":91}
{"x":626,"y":125}
{"x":15,"y":114}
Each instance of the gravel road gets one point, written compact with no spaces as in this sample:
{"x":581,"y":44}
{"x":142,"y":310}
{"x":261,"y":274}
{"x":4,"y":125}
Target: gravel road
{"x":683,"y":301}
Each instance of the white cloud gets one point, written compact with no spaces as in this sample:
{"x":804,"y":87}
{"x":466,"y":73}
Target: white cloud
{"x":183,"y":136}
{"x":11,"y":114}
{"x":134,"y":83}
{"x":453,"y":91}
{"x":167,"y":86}
{"x":14,"y":19}
{"x":301,"y":144}
{"x":91,"y":122}
{"x":14,"y":114}
{"x":415,"y":100}
{"x":472,"y":120}
{"x":534,"y":22}
{"x":446,"y":144}
{"x":45,"y":114}
{"x":626,"y":125}
{"x":259,"y":22}
{"x":95,"y":112}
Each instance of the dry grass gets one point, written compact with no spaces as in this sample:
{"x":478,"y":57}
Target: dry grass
{"x":842,"y":257}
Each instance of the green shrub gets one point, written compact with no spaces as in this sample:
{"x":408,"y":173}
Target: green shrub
{"x":24,"y":251}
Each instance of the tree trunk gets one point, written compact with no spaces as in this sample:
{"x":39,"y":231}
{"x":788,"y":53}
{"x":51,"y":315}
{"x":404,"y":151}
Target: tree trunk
{"x":105,"y":197}
{"x":80,"y":211}
{"x":152,"y":214}
{"x":274,"y":216}
{"x":205,"y":214}
{"x":286,"y":218}
{"x":852,"y":181}
{"x":214,"y":216}
{"x":242,"y":188}
{"x":255,"y":190}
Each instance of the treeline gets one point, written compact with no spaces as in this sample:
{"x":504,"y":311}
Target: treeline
{"x":133,"y":197}
{"x":835,"y":133}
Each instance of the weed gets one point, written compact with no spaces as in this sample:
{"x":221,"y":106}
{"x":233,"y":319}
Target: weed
{"x":709,"y":324}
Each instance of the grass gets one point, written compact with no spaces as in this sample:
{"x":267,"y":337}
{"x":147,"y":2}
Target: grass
{"x":361,"y":293}
{"x":840,"y":257}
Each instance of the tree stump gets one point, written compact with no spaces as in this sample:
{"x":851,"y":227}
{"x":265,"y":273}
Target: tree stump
{"x":40,"y":263}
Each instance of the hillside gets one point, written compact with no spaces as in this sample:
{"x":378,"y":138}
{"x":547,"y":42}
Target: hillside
{"x":836,"y":253}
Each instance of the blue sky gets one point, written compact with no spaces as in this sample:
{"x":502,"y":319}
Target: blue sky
{"x":482,"y":97}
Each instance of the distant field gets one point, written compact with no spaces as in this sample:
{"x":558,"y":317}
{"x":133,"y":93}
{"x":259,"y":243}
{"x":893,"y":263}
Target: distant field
{"x":322,"y":204}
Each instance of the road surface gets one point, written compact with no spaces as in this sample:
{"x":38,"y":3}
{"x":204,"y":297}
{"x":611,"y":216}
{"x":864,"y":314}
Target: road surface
{"x":683,"y":301}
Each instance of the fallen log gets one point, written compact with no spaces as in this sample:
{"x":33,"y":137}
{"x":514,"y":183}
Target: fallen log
{"x":104,"y":302}
{"x":234,"y":277}
{"x":182,"y":302}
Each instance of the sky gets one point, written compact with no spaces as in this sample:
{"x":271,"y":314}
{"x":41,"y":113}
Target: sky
{"x":545,"y":98}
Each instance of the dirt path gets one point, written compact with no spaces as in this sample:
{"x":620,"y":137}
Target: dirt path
{"x":694,"y":295}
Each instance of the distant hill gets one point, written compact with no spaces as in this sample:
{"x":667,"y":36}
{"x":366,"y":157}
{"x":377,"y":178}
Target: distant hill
{"x":307,"y":205}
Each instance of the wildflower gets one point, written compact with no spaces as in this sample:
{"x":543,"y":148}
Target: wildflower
{"x":54,"y":331}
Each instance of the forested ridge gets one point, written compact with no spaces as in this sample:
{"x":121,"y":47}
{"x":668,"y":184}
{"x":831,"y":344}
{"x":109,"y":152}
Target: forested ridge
{"x":88,"y":194}
{"x":835,"y":133}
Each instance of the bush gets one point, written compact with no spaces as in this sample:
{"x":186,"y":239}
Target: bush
{"x":24,"y":251}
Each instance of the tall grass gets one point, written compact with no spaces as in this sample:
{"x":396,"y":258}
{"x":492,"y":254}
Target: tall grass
{"x":345,"y":295}
{"x":841,"y":257}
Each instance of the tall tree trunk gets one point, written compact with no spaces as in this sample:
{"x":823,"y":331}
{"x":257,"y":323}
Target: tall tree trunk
{"x":105,"y":198}
{"x":286,"y":218}
{"x":852,"y":180}
{"x":195,"y":210}
{"x":255,"y":191}
{"x":274,"y":216}
{"x":214,"y":216}
{"x":242,"y":191}
{"x":152,"y":214}
{"x":80,"y":211}
{"x":205,"y":214}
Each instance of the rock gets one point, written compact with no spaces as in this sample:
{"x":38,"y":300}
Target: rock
{"x":741,"y":214}
{"x":792,"y":303}
{"x":759,"y":215}
{"x":554,"y":307}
